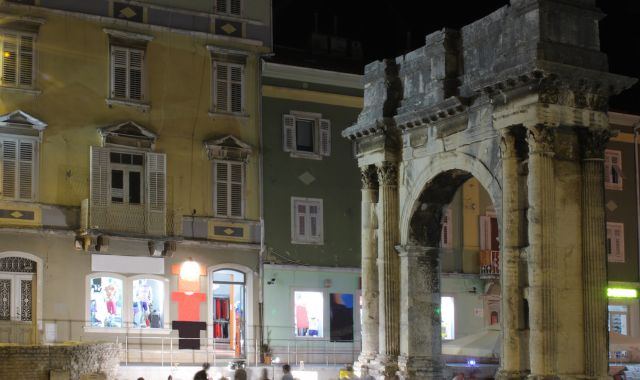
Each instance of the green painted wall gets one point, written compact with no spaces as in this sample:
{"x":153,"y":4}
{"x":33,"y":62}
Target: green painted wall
{"x":337,"y":182}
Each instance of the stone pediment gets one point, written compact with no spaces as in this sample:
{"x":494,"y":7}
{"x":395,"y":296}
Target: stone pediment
{"x":227,"y":148}
{"x":128,"y":134}
{"x":21,"y":123}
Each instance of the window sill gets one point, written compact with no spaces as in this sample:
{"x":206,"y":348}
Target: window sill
{"x":144,"y":107}
{"x":307,"y":242}
{"x":612,"y":186}
{"x":124,"y":330}
{"x":309,"y":156}
{"x":29,"y":91}
{"x":235,"y":115}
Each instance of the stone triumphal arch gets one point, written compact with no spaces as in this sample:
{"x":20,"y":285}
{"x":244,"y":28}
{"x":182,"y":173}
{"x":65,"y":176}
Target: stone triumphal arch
{"x":517,"y":100}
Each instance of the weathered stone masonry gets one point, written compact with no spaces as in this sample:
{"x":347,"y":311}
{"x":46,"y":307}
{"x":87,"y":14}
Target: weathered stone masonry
{"x":517,"y":100}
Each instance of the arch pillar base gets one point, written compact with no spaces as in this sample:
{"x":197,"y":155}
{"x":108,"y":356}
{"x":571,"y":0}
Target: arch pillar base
{"x":421,"y":367}
{"x":365,"y":364}
{"x":384,"y":367}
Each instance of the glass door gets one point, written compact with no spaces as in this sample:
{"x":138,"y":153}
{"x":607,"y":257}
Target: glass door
{"x":229,"y":299}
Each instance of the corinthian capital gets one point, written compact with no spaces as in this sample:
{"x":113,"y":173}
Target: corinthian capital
{"x":388,"y":173}
{"x":541,"y":140}
{"x":369,"y":177}
{"x":593,"y":142}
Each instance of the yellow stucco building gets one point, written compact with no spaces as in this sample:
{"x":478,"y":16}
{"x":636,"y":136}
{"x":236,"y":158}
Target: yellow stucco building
{"x":129,"y":144}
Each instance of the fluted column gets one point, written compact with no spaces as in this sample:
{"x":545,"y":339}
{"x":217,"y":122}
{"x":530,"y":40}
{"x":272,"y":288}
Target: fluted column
{"x":542,"y":254}
{"x":594,"y":258}
{"x":420,"y":319}
{"x":388,"y":271}
{"x":511,"y":366}
{"x":370,"y":315}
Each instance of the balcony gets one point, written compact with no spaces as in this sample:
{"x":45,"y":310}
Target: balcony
{"x":489,"y":264}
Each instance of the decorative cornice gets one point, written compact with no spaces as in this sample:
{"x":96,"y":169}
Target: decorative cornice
{"x":306,"y":74}
{"x":448,"y":108}
{"x":128,"y":35}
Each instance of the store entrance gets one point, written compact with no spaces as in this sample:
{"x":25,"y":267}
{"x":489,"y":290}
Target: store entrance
{"x":16,"y":300}
{"x":229,"y":305}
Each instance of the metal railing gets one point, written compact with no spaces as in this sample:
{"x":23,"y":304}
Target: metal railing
{"x":489,"y":262}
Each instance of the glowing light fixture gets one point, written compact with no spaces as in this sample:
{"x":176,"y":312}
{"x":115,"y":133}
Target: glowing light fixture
{"x":471,"y":362}
{"x":622,"y":293}
{"x":7,"y":54}
{"x":190,"y":270}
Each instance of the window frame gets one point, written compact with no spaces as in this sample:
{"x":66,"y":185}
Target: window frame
{"x":227,"y":11}
{"x":127,"y":299}
{"x":321,"y":135}
{"x":143,"y":74}
{"x":626,"y":314}
{"x":296,"y":237}
{"x":126,"y":169}
{"x":609,"y":156}
{"x":446,"y":231}
{"x":325,"y":313}
{"x":19,"y":53}
{"x":615,"y":257}
{"x":216,"y":63}
{"x":229,"y":184}
{"x":35,"y":159}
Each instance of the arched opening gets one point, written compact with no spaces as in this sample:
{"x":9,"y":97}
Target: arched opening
{"x":20,"y":297}
{"x":455,"y":219}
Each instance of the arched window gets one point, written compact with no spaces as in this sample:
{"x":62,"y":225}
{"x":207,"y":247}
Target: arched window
{"x":229,"y":308}
{"x":106,"y":301}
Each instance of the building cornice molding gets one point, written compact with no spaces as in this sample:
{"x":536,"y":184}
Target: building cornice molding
{"x":312,"y":268}
{"x":306,"y":74}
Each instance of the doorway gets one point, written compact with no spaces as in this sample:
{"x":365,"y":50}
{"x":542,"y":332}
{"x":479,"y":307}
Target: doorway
{"x":17,"y":295}
{"x":229,"y":309}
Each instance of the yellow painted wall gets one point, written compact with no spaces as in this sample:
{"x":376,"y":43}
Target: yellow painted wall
{"x":73,"y":75}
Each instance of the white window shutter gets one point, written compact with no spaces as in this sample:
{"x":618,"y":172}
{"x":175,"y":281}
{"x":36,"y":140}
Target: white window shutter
{"x":288,"y":133}
{"x":9,"y":159}
{"x":119,"y":84}
{"x":9,"y":59}
{"x":607,"y":168}
{"x":25,"y":170}
{"x":235,"y":7}
{"x":26,"y":60}
{"x":221,"y":188}
{"x":221,"y":6}
{"x":484,"y":224}
{"x":156,"y":169}
{"x":325,"y":137}
{"x":99,"y":187}
{"x":446,"y":233}
{"x":136,"y":74}
{"x":221,"y":98}
{"x":236,"y":189}
{"x":236,"y":80}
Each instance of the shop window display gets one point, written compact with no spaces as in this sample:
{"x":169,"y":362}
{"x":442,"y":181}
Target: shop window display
{"x":106,"y":302}
{"x":309,"y":313}
{"x":148,"y":301}
{"x":448,"y":318}
{"x":229,"y":299}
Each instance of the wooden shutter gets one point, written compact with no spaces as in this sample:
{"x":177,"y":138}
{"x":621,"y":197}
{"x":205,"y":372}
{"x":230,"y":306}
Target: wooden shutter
{"x":119,"y":72}
{"x":221,"y":188}
{"x":446,"y":231}
{"x":155,"y":168}
{"x":485,"y":239}
{"x":25,"y":169}
{"x":9,"y":59}
{"x":314,"y":221}
{"x":300,"y":212}
{"x":236,"y":73}
{"x":136,"y":74}
{"x":325,"y":137}
{"x":221,"y":75}
{"x":288,"y":133}
{"x":9,"y":158}
{"x":236,"y":189}
{"x":221,"y":6}
{"x":607,"y":168}
{"x":99,"y":187}
{"x":25,"y":60}
{"x":235,"y":7}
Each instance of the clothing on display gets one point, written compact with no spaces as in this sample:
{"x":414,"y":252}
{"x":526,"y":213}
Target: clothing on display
{"x":221,"y":317}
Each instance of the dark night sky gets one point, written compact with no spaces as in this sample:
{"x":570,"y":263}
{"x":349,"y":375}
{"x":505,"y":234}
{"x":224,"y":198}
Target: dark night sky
{"x":390,"y":28}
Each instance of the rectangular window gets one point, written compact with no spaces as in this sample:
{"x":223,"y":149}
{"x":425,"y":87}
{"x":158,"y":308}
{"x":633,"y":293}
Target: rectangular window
{"x":231,"y":7}
{"x":446,"y":234}
{"x":341,"y":317}
{"x":228,"y":87}
{"x":615,"y":242}
{"x":448,"y":315}
{"x":308,"y":315}
{"x":17,"y":168}
{"x":306,"y":221}
{"x":619,"y":319}
{"x":228,"y":188}
{"x":126,"y":177}
{"x":306,"y":133}
{"x":17,"y":59}
{"x":613,"y":169}
{"x":127,"y":74}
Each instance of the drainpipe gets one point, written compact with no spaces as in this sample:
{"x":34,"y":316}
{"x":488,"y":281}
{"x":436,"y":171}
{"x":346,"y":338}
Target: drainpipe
{"x":636,"y":128}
